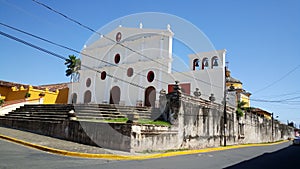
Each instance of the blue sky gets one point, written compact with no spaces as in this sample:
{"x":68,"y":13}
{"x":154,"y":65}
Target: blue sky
{"x":262,"y":39}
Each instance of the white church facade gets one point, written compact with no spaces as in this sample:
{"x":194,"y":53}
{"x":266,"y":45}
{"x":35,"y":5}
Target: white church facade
{"x":130,"y":66}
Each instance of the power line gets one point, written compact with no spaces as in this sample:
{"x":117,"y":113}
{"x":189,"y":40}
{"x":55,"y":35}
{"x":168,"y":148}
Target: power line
{"x":122,"y":45}
{"x":33,"y":46}
{"x":276,"y":101}
{"x":282,"y":95}
{"x":62,"y":57}
{"x":278,"y":80}
{"x":71,"y":49}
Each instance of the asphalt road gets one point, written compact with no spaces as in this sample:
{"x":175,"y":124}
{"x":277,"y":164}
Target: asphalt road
{"x":13,"y":156}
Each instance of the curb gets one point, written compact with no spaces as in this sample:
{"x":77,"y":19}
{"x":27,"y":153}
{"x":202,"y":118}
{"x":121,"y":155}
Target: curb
{"x":131,"y":157}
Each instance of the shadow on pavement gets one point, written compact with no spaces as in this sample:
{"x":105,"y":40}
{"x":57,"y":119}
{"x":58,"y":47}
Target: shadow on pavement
{"x":284,"y":158}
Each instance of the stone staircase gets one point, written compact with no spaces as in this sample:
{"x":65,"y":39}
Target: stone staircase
{"x":102,"y":112}
{"x":41,"y":112}
{"x":81,"y":112}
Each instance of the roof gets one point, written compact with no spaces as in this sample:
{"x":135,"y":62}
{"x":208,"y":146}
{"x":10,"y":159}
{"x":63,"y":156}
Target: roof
{"x":258,"y":110}
{"x":51,"y":87}
{"x":128,"y":34}
{"x":233,"y":80}
{"x":11,"y":84}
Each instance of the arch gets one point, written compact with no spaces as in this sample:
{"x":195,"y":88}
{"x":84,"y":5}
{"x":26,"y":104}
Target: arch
{"x":205,"y":63}
{"x":73,"y":98}
{"x":87,"y":96}
{"x":115,"y":94}
{"x":214,"y":62}
{"x":150,"y":97}
{"x":195,"y":64}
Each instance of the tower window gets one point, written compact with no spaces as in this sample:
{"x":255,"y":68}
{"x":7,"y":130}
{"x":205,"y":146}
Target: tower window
{"x":205,"y":64}
{"x":196,"y":64}
{"x":214,"y":62}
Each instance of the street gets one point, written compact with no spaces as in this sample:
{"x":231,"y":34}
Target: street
{"x":276,"y":156}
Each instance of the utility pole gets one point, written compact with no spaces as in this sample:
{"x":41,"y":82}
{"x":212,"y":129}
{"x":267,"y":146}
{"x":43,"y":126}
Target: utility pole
{"x":272,"y":127}
{"x":225,"y":113}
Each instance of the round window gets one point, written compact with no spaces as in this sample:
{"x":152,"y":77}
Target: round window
{"x":118,"y":36}
{"x":150,"y":76}
{"x":129,"y":72}
{"x":103,"y":75}
{"x":117,"y":58}
{"x":88,"y":82}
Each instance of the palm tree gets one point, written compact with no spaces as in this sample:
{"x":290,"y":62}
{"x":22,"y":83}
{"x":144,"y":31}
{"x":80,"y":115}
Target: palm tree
{"x":240,"y":108}
{"x":73,"y":66}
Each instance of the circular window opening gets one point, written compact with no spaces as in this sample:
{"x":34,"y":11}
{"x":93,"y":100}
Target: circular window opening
{"x":150,"y":76}
{"x":118,"y":36}
{"x":88,"y":82}
{"x":103,"y":75}
{"x":117,"y":58}
{"x":129,"y":72}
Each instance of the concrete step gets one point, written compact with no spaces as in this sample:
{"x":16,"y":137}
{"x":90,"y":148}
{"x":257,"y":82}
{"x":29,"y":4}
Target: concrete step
{"x":63,"y":107}
{"x":96,"y":118}
{"x":31,"y":120}
{"x":97,"y":111}
{"x":100,"y":115}
{"x":41,"y":110}
{"x":39,"y":115}
{"x":25,"y":118}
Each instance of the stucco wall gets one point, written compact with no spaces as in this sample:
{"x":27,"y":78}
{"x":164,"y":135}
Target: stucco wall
{"x":201,"y":125}
{"x":112,"y":136}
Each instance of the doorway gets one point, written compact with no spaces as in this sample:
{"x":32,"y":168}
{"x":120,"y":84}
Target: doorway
{"x":150,"y":97}
{"x":115,"y":94}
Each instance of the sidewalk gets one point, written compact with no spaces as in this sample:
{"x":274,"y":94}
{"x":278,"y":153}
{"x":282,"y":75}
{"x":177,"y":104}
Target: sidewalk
{"x":52,"y":142}
{"x":68,"y":148}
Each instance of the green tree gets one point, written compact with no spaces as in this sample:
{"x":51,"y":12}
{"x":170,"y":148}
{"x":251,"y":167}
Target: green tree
{"x":73,"y":66}
{"x":240,"y":108}
{"x":1,"y":102}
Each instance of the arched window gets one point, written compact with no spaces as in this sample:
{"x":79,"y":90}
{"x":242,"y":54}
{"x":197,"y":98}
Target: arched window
{"x":117,"y":58}
{"x":195,"y":64}
{"x":150,"y":76}
{"x":74,"y":98}
{"x":205,"y":64}
{"x":214,"y":62}
{"x":88,"y":82}
{"x":87,"y":96}
{"x":129,"y":72}
{"x":103,"y":75}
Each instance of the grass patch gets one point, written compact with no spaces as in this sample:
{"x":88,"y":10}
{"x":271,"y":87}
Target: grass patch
{"x":117,"y":120}
{"x":157,"y":122}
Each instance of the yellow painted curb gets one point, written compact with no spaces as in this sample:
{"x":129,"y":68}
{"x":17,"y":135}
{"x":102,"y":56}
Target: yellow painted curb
{"x":131,"y":157}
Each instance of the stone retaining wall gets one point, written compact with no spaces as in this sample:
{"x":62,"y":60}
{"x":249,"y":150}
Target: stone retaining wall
{"x":196,"y":124}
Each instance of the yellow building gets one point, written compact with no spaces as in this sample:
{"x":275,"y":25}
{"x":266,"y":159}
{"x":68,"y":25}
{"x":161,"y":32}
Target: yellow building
{"x":46,"y":94}
{"x":262,"y":113}
{"x":236,"y":85}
